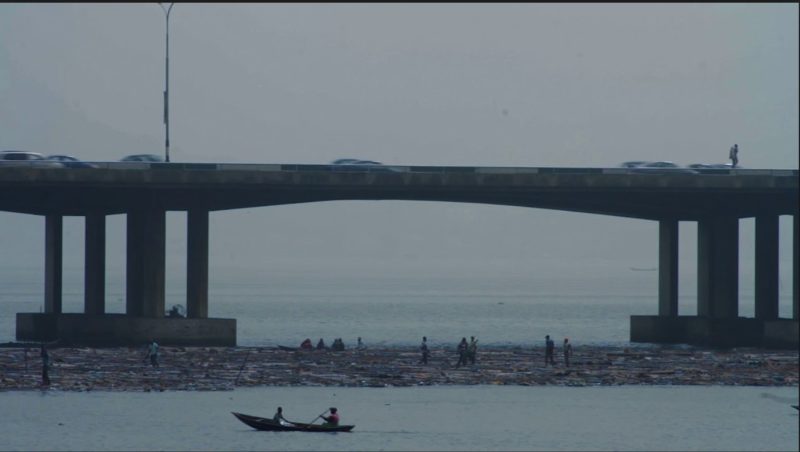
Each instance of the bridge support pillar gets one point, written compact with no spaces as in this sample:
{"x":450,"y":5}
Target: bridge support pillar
{"x":668,"y":268}
{"x":53,"y":267}
{"x":795,"y":269}
{"x":718,"y":268}
{"x":146,"y":262}
{"x":197,"y":264}
{"x":767,"y":279}
{"x":717,"y":322}
{"x":95,"y":264}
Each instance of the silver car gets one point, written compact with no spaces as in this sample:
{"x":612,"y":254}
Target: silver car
{"x":661,"y":167}
{"x":25,"y":158}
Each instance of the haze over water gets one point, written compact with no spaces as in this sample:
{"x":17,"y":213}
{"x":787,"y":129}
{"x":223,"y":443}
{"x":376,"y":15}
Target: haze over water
{"x":586,"y":302}
{"x":532,"y":85}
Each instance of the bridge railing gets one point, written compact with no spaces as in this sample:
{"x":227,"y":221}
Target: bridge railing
{"x":191,"y":166}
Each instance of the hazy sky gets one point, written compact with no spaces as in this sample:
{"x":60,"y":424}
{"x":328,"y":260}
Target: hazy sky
{"x":407,"y":84}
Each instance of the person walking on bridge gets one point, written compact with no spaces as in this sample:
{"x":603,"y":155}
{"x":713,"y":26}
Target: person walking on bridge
{"x":734,"y":155}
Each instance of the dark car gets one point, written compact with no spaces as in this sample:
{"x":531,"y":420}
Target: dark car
{"x":70,"y":161}
{"x":153,"y":158}
{"x":633,"y":163}
{"x":359,"y":165}
{"x":25,"y":158}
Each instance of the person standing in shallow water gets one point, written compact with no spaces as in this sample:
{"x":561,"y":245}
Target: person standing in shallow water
{"x":45,"y":366}
{"x":472,"y":349}
{"x":549,"y":349}
{"x":462,"y":352}
{"x":424,"y":349}
{"x":152,"y":352}
{"x":567,"y":351}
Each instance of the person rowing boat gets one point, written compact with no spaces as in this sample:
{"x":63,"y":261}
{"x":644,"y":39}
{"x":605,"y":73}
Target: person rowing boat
{"x":332,"y":420}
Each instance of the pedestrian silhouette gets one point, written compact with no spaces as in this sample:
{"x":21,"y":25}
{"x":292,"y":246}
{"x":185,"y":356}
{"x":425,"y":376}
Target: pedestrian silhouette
{"x":734,"y":155}
{"x":424,"y":350}
{"x":549,"y":348}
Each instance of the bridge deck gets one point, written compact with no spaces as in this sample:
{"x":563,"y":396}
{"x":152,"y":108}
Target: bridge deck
{"x":114,"y":188}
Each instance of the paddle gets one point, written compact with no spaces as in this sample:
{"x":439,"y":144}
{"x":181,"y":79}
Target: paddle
{"x":320,"y":415}
{"x":242,"y":368}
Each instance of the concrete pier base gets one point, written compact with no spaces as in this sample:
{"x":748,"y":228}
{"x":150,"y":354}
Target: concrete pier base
{"x":121,"y":329}
{"x":729,"y":332}
{"x":781,"y":333}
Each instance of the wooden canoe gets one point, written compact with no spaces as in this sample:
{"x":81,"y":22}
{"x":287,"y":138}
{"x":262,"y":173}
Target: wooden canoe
{"x":266,"y":424}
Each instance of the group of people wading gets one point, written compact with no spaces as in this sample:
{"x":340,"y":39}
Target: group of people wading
{"x":467,"y":352}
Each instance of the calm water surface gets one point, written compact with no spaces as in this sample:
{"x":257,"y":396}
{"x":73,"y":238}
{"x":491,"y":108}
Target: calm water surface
{"x":420,"y":418}
{"x":284,"y":308}
{"x":274,"y":308}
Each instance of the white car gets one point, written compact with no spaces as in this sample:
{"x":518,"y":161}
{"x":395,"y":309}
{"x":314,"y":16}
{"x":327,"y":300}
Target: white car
{"x":25,"y":158}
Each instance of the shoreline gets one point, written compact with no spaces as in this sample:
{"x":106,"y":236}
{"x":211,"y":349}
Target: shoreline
{"x":226,"y":368}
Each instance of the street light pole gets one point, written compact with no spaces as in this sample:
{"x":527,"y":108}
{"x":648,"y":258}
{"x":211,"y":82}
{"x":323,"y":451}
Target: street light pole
{"x":166,"y":83}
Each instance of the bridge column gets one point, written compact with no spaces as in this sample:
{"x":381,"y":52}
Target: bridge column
{"x":668,"y":268}
{"x":146,"y":262}
{"x":95,"y":264}
{"x":795,"y":270}
{"x":718,"y":267}
{"x":134,"y":303}
{"x":53,"y":268}
{"x":767,"y":278}
{"x":197,"y":264}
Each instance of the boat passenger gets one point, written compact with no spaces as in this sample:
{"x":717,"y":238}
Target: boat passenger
{"x":306,"y":344}
{"x":332,"y":420}
{"x":321,"y":344}
{"x":279,"y":417}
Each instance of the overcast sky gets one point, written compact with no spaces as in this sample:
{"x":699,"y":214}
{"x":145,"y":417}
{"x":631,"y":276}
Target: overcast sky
{"x":407,"y":84}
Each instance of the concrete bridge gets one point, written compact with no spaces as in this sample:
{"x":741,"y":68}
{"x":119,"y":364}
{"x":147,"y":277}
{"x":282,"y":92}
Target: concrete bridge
{"x":715,"y":198}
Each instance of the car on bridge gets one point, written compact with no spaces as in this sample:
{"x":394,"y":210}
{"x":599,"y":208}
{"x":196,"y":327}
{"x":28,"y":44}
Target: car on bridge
{"x":712,"y":165}
{"x":70,"y":161}
{"x":633,"y":163}
{"x":152,"y":158}
{"x":661,"y":167}
{"x":349,"y":164}
{"x":25,"y":158}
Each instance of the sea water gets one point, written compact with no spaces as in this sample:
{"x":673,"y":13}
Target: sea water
{"x":417,"y":418}
{"x":274,"y":308}
{"x":589,"y":305}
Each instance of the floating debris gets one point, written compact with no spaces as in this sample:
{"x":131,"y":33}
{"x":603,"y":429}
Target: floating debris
{"x":225,"y":368}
